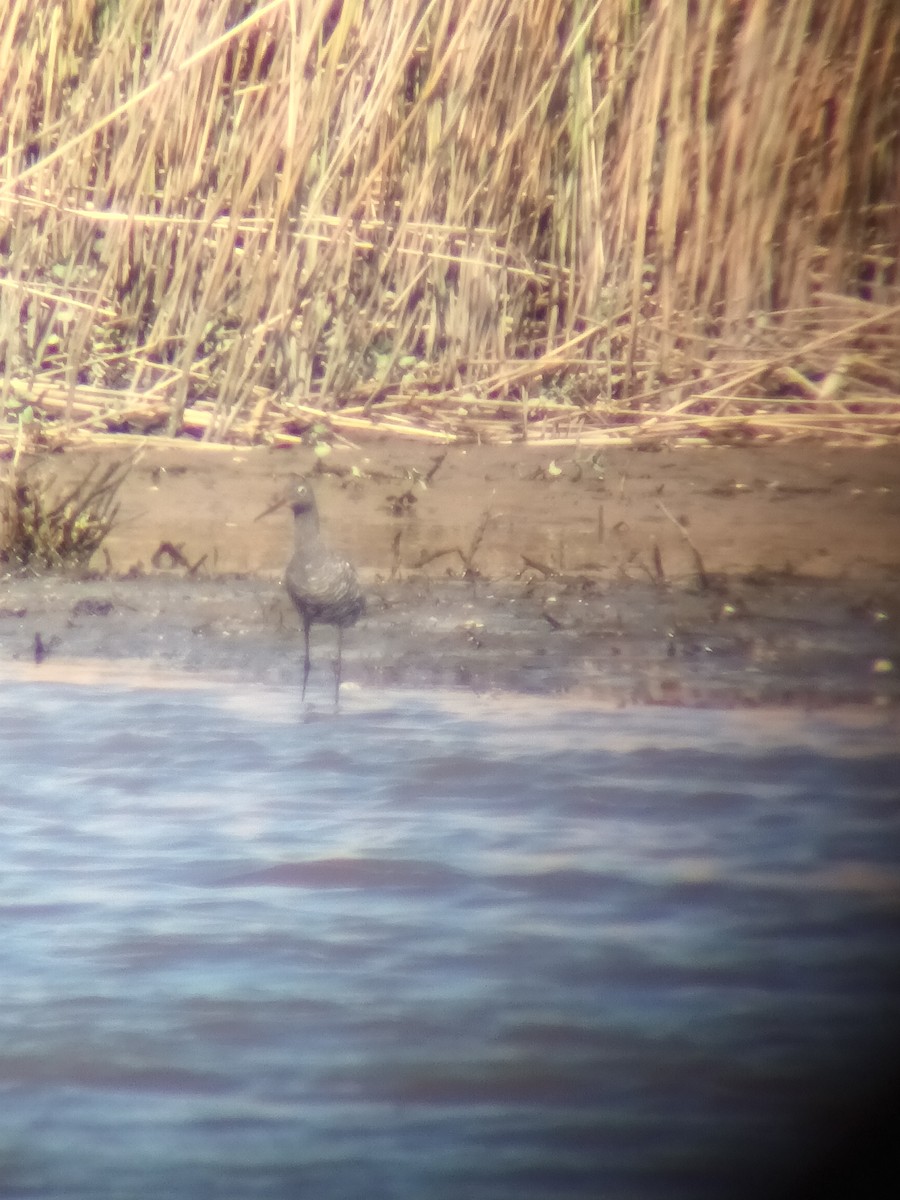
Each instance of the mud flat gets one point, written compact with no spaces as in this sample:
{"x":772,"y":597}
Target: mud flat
{"x":707,"y":577}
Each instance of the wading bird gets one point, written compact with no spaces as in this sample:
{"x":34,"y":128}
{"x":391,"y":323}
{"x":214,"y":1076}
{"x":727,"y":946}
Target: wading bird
{"x":324,"y":587}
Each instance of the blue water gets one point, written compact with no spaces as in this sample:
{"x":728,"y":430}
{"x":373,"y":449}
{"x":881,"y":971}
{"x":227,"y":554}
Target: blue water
{"x":438,"y":945}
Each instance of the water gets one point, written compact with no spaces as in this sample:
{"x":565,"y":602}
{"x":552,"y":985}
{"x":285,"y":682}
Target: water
{"x":440,"y":946}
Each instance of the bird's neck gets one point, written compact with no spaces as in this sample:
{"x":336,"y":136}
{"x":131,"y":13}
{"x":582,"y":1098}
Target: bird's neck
{"x":306,"y":527}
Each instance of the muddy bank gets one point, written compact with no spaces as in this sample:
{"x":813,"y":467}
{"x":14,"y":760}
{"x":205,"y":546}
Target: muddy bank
{"x":630,"y":643}
{"x":707,"y":577}
{"x":402,"y":511}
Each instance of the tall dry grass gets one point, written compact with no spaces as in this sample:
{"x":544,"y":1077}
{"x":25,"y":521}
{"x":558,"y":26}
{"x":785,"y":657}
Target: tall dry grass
{"x":451,"y":217}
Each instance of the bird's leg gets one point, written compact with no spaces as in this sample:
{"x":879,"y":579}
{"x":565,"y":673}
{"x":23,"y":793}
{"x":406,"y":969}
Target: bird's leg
{"x":337,"y":665}
{"x":306,"y":624}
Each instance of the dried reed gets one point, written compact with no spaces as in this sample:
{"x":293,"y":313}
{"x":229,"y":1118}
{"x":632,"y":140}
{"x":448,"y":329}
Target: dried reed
{"x":559,"y":219}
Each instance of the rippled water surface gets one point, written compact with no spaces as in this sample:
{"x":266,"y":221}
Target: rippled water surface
{"x":439,"y":945}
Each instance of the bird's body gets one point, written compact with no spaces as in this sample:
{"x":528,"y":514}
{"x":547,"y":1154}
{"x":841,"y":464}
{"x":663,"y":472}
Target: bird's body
{"x":324,"y":587}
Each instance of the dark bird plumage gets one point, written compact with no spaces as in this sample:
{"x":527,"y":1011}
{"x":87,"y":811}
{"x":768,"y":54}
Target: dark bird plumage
{"x":324,"y":588}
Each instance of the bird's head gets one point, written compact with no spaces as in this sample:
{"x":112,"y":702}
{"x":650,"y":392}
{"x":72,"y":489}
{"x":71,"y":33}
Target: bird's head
{"x":297,"y":496}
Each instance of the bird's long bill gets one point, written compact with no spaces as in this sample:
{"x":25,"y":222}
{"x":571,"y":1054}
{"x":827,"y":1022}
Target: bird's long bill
{"x":279,"y":503}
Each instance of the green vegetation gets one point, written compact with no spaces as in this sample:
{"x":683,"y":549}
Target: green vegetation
{"x":44,"y":528}
{"x":600,"y":220}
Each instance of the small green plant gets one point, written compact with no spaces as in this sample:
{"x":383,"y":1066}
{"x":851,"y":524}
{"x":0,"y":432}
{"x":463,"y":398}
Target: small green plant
{"x":320,"y":440}
{"x":46,"y":529}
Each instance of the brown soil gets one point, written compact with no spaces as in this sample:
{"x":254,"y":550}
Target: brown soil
{"x":574,"y":568}
{"x":503,"y":510}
